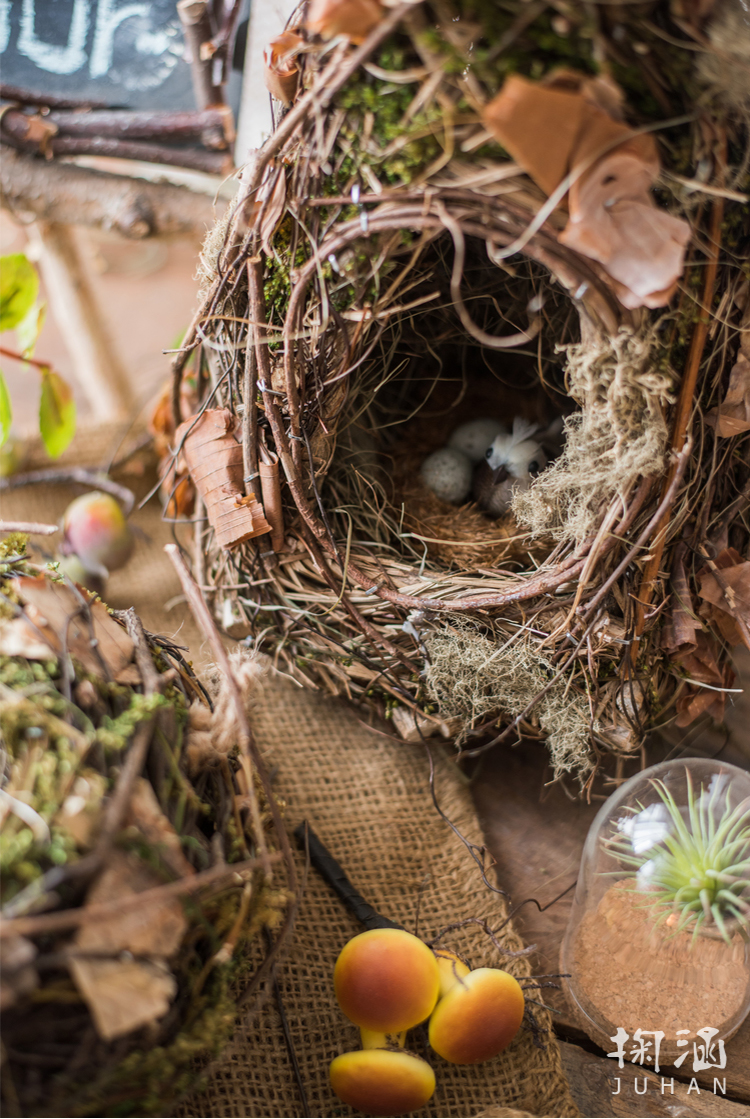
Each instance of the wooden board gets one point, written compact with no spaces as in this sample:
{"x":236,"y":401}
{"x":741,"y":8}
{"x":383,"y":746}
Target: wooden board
{"x":601,"y":1088}
{"x":535,"y":833}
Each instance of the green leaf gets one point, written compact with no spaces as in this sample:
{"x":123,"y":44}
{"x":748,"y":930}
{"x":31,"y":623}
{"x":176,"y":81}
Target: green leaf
{"x":6,"y":413}
{"x":29,"y":329}
{"x":57,"y":413}
{"x":19,"y":287}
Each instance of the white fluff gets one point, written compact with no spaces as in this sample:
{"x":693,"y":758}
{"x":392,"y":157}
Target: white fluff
{"x":473,"y":438}
{"x":448,"y":474}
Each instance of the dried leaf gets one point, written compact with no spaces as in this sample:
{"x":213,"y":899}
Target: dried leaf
{"x":728,"y":594}
{"x":678,"y":635}
{"x":571,"y":126}
{"x":145,"y":813}
{"x":701,"y":665}
{"x":80,"y":812}
{"x":353,"y":18}
{"x":214,"y":459}
{"x":18,"y":639}
{"x":537,"y":126}
{"x":56,"y":614}
{"x":732,"y":417}
{"x":280,"y":69}
{"x":641,"y":246}
{"x":124,"y":995}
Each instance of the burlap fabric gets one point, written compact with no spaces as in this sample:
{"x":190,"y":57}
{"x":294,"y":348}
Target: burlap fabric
{"x":368,"y":798}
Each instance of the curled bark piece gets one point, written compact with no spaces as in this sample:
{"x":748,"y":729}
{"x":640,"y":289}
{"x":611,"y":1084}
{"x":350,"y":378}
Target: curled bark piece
{"x":353,"y":18}
{"x":268,"y":468}
{"x":214,"y":459}
{"x":280,"y":69}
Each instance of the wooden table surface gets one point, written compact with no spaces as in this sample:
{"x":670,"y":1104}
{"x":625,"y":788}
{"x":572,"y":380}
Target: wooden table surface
{"x":536,"y":835}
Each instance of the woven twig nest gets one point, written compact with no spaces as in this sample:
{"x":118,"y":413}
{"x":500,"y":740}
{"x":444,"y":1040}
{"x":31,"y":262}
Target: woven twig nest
{"x":390,"y":273}
{"x":144,"y":893}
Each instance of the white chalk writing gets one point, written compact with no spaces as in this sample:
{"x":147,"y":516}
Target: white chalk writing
{"x":148,"y":44}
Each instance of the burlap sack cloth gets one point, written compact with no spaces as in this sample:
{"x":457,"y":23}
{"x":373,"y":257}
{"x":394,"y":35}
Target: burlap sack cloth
{"x":368,"y":798}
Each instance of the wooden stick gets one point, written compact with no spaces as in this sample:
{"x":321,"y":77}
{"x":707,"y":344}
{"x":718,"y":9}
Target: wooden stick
{"x":682,"y":416}
{"x":250,"y":413}
{"x":65,"y":475}
{"x":62,"y":192}
{"x":125,"y":124}
{"x":248,"y":749}
{"x":21,"y":96}
{"x":33,"y":528}
{"x":193,"y":159}
{"x":92,"y":914}
{"x":196,"y":25}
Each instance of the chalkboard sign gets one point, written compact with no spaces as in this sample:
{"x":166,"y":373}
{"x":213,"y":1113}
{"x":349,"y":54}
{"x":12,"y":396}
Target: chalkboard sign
{"x":125,"y":53}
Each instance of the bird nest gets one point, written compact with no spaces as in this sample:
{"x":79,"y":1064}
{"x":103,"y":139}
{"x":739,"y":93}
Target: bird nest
{"x":390,"y":273}
{"x":145,"y":896}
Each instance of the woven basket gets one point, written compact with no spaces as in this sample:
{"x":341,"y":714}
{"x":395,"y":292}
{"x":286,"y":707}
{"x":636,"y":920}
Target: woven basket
{"x":388,"y":274}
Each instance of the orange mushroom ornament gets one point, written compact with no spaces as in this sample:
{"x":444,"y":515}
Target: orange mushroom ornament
{"x":382,"y":1081}
{"x":386,"y":980}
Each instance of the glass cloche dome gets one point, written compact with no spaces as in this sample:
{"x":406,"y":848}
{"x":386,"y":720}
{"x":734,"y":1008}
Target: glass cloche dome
{"x":658,"y":943}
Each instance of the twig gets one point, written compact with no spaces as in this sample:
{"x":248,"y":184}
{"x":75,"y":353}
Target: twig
{"x":202,"y":615}
{"x":33,"y":528}
{"x":247,"y":743}
{"x":663,"y":508}
{"x":289,"y":1040}
{"x":196,"y":25}
{"x":209,"y":162}
{"x":92,"y":914}
{"x":144,"y":660}
{"x":685,"y":404}
{"x":64,"y":475}
{"x":477,"y":853}
{"x":21,"y":96}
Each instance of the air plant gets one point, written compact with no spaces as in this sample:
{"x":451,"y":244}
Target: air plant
{"x":694,"y":860}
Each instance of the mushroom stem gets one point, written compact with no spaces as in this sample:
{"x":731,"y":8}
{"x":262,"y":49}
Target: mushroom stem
{"x":374,"y":1039}
{"x":452,"y":970}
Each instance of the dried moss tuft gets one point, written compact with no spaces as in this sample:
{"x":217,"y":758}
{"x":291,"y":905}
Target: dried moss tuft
{"x":618,"y":436}
{"x":470,"y":677}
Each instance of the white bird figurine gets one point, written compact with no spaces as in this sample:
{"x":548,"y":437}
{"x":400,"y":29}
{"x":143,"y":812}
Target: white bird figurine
{"x":511,"y":463}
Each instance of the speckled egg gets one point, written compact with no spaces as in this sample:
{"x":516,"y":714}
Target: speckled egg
{"x":447,"y":473}
{"x":473,"y":438}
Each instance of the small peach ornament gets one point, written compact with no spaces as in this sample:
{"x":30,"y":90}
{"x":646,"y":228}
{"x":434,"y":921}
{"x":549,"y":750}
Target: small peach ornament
{"x":96,"y":531}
